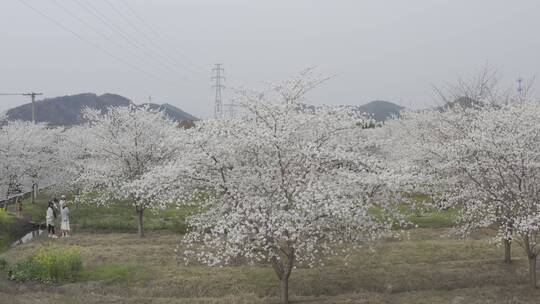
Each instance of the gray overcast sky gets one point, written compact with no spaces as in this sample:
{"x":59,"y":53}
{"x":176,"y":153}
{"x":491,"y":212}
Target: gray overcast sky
{"x":391,"y":50}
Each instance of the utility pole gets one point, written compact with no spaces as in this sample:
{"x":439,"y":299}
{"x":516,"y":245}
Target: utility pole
{"x":520,"y":87}
{"x":218,"y":104}
{"x":33,"y":95}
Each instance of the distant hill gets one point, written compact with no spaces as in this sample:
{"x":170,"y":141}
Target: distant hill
{"x":380,"y":110}
{"x":66,"y":110}
{"x":172,"y":111}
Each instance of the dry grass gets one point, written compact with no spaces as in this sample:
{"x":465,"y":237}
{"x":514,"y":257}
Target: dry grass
{"x":425,"y":266}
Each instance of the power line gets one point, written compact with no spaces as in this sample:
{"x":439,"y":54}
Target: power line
{"x":108,"y":23}
{"x":143,"y":34}
{"x":130,"y":8}
{"x":132,"y":41}
{"x":218,"y":104}
{"x":150,"y":28}
{"x":95,"y":45}
{"x":97,"y":31}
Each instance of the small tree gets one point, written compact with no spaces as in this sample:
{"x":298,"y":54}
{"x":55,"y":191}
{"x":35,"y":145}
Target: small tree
{"x":486,"y":160}
{"x":121,"y":146}
{"x":482,"y":89}
{"x":286,"y":185}
{"x":28,"y":155}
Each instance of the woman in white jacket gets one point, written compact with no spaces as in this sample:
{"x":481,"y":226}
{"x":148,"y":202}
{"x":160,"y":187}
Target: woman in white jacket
{"x":64,"y":226}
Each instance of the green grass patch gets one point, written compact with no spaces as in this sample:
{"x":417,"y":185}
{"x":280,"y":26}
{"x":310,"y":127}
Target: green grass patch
{"x":422,"y":216}
{"x":117,"y":273}
{"x":49,"y":264}
{"x":417,"y":213}
{"x":121,"y":217}
{"x":118,"y":216}
{"x":5,"y":237}
{"x":34,"y":212}
{"x":5,"y":220}
{"x":434,"y":219}
{"x":3,"y":264}
{"x":419,"y":217}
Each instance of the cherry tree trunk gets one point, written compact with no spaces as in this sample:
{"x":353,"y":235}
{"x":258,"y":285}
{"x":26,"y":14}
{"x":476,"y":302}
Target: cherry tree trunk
{"x":283,"y":269}
{"x":140,"y":222}
{"x":507,"y":251}
{"x":284,"y":291}
{"x":34,"y":192}
{"x":532,"y":271}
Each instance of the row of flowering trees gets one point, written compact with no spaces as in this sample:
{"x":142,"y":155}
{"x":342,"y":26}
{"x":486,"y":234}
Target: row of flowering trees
{"x":484,"y":161}
{"x":285,"y":185}
{"x":29,"y":155}
{"x":288,"y":184}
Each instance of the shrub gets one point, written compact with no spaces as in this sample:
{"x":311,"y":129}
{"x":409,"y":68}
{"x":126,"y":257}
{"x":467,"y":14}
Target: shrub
{"x":4,"y":218}
{"x":49,"y":265}
{"x":5,"y":222}
{"x":4,"y":242}
{"x":3,"y":264}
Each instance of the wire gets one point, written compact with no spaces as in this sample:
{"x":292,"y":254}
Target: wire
{"x":197,"y":69}
{"x":157,"y":33}
{"x":132,"y":41}
{"x":141,"y":33}
{"x":97,"y":46}
{"x":95,"y":30}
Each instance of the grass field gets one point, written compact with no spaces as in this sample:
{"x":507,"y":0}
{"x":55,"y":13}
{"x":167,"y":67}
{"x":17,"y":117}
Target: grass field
{"x":426,"y":265}
{"x":5,"y":222}
{"x":117,"y":217}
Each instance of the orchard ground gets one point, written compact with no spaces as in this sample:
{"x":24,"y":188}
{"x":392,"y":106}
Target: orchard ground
{"x":426,"y":265}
